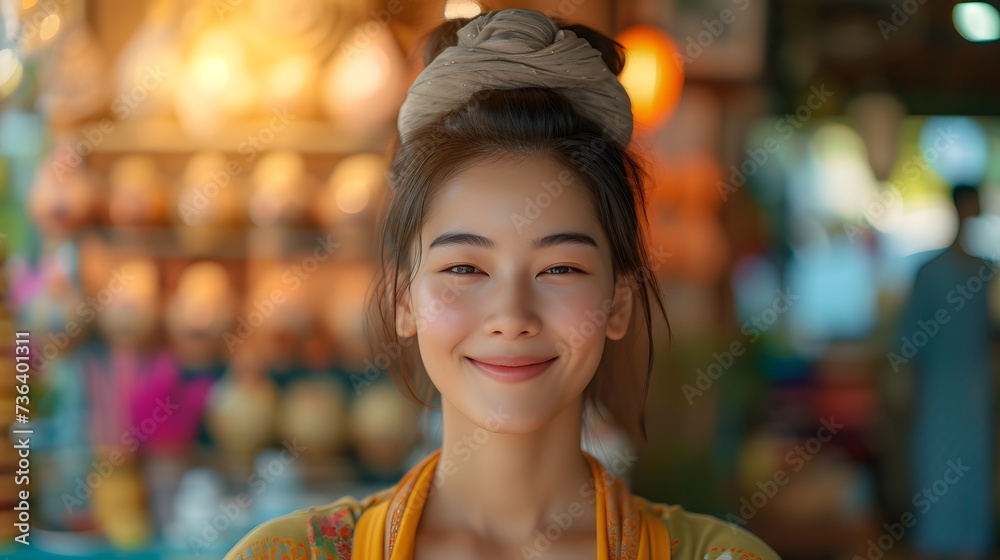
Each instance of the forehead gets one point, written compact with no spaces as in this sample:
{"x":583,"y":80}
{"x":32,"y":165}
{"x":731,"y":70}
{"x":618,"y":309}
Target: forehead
{"x":513,"y":199}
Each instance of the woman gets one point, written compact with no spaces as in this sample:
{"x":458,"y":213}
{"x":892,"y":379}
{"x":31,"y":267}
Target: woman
{"x":514,"y":254}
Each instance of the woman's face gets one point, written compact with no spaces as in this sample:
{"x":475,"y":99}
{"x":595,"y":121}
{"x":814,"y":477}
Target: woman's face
{"x":514,"y":264}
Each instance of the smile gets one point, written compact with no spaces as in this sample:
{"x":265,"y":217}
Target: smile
{"x":517,"y":374}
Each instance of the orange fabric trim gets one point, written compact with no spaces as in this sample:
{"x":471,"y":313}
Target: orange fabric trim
{"x":631,"y":532}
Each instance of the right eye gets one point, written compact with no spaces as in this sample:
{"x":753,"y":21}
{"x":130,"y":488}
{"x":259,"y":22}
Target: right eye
{"x":466,"y":267}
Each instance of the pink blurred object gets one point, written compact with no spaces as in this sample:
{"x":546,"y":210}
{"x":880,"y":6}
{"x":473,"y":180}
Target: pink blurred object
{"x":166,"y":408}
{"x":28,"y":282}
{"x":140,"y":400}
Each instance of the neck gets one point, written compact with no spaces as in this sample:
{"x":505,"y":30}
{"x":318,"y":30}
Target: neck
{"x":956,"y":245}
{"x":503,"y":487}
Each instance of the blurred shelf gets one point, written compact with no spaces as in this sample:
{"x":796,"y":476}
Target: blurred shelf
{"x":318,"y":484}
{"x":227,"y":243}
{"x":249,"y":138}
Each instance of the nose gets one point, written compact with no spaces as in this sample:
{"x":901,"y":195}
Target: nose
{"x":512,"y":311}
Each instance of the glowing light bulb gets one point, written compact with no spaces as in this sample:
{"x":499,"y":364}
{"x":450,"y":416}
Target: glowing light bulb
{"x":652,"y":76}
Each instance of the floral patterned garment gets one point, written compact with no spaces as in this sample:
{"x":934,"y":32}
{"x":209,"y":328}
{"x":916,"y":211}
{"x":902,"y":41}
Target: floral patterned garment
{"x":635,"y":529}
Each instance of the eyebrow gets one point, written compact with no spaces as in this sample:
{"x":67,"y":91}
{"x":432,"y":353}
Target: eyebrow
{"x":465,"y":238}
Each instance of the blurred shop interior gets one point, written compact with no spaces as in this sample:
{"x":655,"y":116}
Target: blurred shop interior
{"x":188,"y":199}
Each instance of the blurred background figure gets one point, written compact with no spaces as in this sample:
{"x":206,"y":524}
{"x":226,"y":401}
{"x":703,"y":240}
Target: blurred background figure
{"x":948,"y":341}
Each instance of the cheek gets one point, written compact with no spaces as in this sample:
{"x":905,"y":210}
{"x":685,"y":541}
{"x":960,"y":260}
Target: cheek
{"x":442,"y":313}
{"x":580,"y":315}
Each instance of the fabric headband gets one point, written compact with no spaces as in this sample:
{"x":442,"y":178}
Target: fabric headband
{"x":515,"y":48}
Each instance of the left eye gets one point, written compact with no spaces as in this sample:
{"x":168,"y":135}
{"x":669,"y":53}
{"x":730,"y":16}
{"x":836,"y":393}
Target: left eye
{"x":568,"y":269}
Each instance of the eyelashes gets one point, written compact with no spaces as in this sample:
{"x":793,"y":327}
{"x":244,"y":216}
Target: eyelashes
{"x":569,"y":270}
{"x":464,"y":266}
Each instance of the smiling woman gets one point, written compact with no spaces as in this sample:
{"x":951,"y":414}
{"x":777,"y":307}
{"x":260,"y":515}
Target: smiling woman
{"x":519,"y":296}
{"x":527,"y":312}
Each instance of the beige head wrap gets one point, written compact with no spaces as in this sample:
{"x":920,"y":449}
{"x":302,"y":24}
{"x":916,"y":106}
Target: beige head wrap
{"x":515,"y":48}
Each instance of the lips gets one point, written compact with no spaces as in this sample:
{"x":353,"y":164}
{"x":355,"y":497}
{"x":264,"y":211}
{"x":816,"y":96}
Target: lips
{"x":512,"y":361}
{"x":529,"y":367}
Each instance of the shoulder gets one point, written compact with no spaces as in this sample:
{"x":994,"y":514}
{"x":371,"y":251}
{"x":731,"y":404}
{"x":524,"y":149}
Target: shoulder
{"x":323,"y":532}
{"x":704,"y":537}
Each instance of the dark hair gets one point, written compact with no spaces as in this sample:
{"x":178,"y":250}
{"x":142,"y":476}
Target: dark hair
{"x":501,"y":124}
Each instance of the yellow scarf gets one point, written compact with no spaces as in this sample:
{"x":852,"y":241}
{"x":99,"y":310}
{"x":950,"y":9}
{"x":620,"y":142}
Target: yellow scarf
{"x":634,"y":530}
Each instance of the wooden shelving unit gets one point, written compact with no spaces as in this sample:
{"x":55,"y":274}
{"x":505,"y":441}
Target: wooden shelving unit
{"x":248,"y":139}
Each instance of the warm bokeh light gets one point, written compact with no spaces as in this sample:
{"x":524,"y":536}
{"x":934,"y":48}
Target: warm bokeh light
{"x":133,"y":317}
{"x":288,"y":78}
{"x":213,"y":73}
{"x":207,"y":196}
{"x":281,"y":190}
{"x":59,"y":203}
{"x":216,"y":83}
{"x":977,"y":21}
{"x":352,"y":197}
{"x":138,"y":194}
{"x":11,"y":72}
{"x":49,"y":27}
{"x":8,"y":63}
{"x":355,"y":179}
{"x":371,"y":63}
{"x":150,"y":65}
{"x":653,"y":75}
{"x":461,"y":9}
{"x":75,"y":84}
{"x":217,"y":56}
{"x":842,"y":179}
{"x":362,"y":84}
{"x":197,"y":319}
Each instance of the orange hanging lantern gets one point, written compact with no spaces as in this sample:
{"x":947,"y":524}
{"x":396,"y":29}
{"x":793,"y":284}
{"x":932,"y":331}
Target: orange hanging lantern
{"x":653,"y":74}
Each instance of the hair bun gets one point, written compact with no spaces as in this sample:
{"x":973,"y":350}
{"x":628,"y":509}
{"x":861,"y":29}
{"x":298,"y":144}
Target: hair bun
{"x":612,"y":52}
{"x":442,"y":37}
{"x":515,"y":49}
{"x":446,"y":35}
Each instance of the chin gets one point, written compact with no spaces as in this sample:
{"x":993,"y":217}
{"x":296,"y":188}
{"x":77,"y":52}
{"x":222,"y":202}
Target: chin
{"x":511,"y":415}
